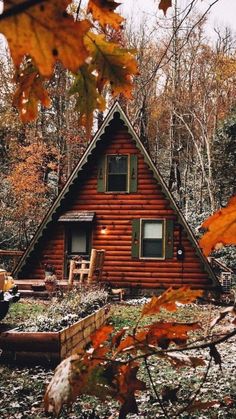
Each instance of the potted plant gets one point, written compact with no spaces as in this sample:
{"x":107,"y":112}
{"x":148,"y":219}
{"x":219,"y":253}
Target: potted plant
{"x":50,"y":278}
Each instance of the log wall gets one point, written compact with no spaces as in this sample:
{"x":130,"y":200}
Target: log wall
{"x":116,"y":211}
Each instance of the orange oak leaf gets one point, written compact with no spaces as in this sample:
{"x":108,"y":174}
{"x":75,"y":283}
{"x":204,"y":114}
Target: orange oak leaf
{"x":169,"y":298}
{"x":127,"y":385}
{"x":101,"y":335}
{"x":221,"y":228}
{"x":164,"y":5}
{"x":45,"y":32}
{"x":114,"y":65}
{"x":116,"y":339}
{"x":163,"y":333}
{"x":103,"y":12}
{"x":29,"y":93}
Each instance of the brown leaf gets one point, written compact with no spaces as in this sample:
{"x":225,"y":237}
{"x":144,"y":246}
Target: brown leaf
{"x":163,"y":333}
{"x":29,"y":93}
{"x":169,"y":298}
{"x":215,"y":355}
{"x":129,"y":406}
{"x":116,"y":339}
{"x":164,"y":5}
{"x":221,"y":228}
{"x":127,"y":380}
{"x":59,"y":389}
{"x":199,"y":405}
{"x":103,"y":12}
{"x":47,"y":33}
{"x":114,"y":65}
{"x":101,"y":335}
{"x":87,"y":96}
{"x":170,"y":394}
{"x":179,"y":360}
{"x":221,"y":316}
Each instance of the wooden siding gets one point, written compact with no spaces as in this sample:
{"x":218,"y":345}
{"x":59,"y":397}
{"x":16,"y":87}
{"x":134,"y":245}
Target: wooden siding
{"x":116,"y":211}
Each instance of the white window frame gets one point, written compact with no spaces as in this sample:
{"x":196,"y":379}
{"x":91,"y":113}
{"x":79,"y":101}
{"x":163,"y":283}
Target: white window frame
{"x":143,"y":220}
{"x":128,"y":174}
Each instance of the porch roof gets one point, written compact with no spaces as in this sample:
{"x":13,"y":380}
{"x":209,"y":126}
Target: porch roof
{"x":77,"y":216}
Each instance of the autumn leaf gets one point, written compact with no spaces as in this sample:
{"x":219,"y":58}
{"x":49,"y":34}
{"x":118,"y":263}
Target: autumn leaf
{"x":222,"y":315}
{"x":103,"y":11}
{"x":179,"y":360}
{"x":88,"y":96}
{"x":116,"y":339}
{"x":163,"y":333}
{"x":47,"y":33}
{"x":29,"y":93}
{"x":127,"y":385}
{"x":101,"y":335}
{"x":199,"y":405}
{"x":221,"y":228}
{"x":164,"y":5}
{"x":170,"y":394}
{"x":114,"y":65}
{"x":76,"y":375}
{"x":59,"y":390}
{"x":169,"y":298}
{"x":214,"y":353}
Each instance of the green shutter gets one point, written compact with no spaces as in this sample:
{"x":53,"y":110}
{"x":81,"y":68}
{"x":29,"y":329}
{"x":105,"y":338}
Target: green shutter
{"x":135,"y":238}
{"x":169,"y":239}
{"x":133,"y":173}
{"x":101,"y":175}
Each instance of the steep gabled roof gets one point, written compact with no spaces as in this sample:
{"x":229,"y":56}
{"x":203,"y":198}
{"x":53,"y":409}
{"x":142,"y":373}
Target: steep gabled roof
{"x":80,"y":166}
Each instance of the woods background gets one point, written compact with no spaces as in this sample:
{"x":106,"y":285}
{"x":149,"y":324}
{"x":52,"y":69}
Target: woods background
{"x":183,"y":108}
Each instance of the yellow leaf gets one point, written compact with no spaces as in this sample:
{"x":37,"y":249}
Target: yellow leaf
{"x":29,"y":93}
{"x":103,"y":12}
{"x":47,"y":33}
{"x":88,"y":96}
{"x":113,"y":64}
{"x":169,"y":298}
{"x":221,"y":228}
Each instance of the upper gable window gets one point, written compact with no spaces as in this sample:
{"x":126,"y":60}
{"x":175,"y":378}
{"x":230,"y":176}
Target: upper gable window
{"x":117,"y":173}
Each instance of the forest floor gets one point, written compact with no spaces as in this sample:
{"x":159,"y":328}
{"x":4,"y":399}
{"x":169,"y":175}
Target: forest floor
{"x":22,"y":389}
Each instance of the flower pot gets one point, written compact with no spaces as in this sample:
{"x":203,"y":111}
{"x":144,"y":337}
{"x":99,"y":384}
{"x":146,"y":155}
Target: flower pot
{"x":50,"y":286}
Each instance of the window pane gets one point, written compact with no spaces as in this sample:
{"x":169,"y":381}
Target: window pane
{"x":152,"y":238}
{"x":152,"y":230}
{"x":117,"y":173}
{"x":117,"y":164}
{"x":152,"y":248}
{"x":117,"y":183}
{"x":78,"y":241}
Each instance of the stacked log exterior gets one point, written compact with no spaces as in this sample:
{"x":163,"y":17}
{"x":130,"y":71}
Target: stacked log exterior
{"x":116,"y":211}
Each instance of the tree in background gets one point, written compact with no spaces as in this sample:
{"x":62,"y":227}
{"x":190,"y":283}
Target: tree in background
{"x":185,"y":90}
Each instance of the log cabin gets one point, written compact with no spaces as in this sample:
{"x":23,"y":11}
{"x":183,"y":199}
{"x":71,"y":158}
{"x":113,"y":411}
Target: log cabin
{"x":117,"y":200}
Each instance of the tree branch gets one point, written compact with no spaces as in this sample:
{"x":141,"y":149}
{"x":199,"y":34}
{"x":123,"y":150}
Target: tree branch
{"x":155,"y":390}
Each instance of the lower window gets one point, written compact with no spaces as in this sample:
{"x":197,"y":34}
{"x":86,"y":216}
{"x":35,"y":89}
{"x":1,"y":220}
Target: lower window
{"x":78,"y":239}
{"x":152,"y":233}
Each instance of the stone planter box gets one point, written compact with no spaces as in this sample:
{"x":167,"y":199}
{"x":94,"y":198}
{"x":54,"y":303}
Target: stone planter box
{"x":50,"y":348}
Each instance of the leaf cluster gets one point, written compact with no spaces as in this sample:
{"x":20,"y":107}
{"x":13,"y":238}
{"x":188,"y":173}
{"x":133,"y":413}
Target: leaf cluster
{"x":42,"y":33}
{"x":109,"y":369}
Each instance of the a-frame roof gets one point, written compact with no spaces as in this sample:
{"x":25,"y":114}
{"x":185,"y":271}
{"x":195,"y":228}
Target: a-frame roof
{"x":80,"y":166}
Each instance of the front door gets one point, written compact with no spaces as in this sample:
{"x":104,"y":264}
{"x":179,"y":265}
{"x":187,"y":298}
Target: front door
{"x":78,"y":242}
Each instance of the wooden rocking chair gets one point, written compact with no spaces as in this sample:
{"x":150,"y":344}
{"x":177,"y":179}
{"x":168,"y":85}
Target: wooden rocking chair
{"x":90,"y":269}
